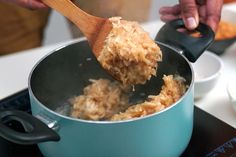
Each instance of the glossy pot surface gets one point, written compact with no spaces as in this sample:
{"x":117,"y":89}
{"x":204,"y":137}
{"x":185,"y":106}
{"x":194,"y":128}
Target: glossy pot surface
{"x":60,"y":75}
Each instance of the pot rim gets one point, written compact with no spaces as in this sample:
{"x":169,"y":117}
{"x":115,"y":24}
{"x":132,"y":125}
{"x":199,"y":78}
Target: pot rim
{"x":105,"y":122}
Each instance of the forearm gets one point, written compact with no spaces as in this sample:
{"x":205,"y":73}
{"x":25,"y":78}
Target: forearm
{"x":31,"y":4}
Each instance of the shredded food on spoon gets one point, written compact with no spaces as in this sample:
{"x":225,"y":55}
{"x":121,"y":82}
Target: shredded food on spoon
{"x":129,"y":54}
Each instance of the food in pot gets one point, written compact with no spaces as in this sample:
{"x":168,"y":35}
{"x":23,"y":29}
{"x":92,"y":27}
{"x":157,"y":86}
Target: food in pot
{"x":100,"y":100}
{"x":106,"y":100}
{"x":171,"y":91}
{"x":226,"y":30}
{"x":129,"y":54}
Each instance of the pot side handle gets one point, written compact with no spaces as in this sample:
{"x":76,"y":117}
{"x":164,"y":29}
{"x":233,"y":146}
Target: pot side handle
{"x":35,"y":130}
{"x":192,"y":47}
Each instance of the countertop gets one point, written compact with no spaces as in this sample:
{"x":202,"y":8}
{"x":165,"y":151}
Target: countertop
{"x":15,"y":69}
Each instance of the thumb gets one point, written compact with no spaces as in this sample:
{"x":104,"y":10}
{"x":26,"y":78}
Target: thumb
{"x":189,"y":13}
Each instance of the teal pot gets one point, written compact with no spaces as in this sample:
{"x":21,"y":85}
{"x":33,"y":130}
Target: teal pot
{"x":63,"y":74}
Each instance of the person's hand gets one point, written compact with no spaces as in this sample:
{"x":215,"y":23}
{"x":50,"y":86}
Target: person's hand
{"x":193,"y":11}
{"x":31,"y":4}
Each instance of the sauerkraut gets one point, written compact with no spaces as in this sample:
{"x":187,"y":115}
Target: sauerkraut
{"x":106,"y":100}
{"x":171,"y":91}
{"x":129,"y":54}
{"x":100,"y":100}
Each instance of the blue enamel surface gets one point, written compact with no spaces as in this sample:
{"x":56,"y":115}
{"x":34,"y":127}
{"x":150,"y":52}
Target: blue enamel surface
{"x":166,"y":134}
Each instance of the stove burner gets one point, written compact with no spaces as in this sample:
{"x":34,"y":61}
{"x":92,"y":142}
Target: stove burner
{"x":211,"y":137}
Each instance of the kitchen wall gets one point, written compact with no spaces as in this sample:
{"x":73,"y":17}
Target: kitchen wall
{"x":57,"y":29}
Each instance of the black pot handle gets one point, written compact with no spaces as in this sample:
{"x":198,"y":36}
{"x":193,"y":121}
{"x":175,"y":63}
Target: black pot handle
{"x":192,"y":47}
{"x":35,"y":130}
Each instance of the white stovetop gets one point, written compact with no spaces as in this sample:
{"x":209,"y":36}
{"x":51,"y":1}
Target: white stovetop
{"x":15,"y":68}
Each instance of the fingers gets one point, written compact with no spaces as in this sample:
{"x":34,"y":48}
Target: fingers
{"x":201,"y":2}
{"x":33,"y":4}
{"x":187,"y":9}
{"x":193,"y":11}
{"x":189,"y":13}
{"x":213,"y":9}
{"x":170,"y":13}
{"x":169,"y":17}
{"x":170,"y":10}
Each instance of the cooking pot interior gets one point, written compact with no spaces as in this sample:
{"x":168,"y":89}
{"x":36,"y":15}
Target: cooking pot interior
{"x":64,"y":73}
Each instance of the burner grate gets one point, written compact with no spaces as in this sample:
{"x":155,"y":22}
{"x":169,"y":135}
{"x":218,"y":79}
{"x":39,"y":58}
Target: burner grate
{"x":18,"y":101}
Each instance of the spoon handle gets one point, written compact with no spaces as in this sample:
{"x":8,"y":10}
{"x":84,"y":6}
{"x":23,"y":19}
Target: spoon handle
{"x":87,"y":23}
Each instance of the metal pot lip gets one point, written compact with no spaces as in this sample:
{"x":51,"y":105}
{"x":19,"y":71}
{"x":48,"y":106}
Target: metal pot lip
{"x":107,"y":122}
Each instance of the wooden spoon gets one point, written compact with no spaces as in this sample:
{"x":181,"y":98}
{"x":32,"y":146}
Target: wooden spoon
{"x":95,"y":29}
